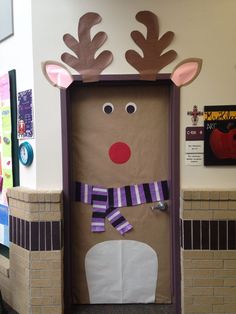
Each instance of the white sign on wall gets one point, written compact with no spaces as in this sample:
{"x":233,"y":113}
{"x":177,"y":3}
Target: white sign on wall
{"x":193,"y":159}
{"x":194,"y":146}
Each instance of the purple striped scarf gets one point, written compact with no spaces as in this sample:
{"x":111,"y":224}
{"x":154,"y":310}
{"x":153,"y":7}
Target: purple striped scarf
{"x":107,"y":201}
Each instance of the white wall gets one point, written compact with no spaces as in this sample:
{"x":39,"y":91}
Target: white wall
{"x":16,"y":53}
{"x":203,"y":28}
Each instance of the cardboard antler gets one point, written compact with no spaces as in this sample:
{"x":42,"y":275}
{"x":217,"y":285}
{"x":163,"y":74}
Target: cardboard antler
{"x":85,"y":48}
{"x":153,"y":60}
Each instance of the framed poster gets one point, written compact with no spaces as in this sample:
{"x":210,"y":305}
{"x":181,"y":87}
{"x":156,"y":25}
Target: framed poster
{"x":220,"y":135}
{"x":6,"y":19}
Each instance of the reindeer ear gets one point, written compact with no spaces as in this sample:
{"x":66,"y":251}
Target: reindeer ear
{"x":186,"y":71}
{"x":57,"y":74}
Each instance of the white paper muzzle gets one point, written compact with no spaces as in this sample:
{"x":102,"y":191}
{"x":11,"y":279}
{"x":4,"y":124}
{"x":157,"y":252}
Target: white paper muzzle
{"x":121,"y":271}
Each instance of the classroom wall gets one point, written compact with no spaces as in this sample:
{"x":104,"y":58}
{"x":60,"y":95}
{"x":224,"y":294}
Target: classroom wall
{"x":204,"y":29}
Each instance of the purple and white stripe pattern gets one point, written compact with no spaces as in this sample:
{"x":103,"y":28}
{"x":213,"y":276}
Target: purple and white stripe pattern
{"x":99,"y":201}
{"x":102,"y":211}
{"x":106,"y":201}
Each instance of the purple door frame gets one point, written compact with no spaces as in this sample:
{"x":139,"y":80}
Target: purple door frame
{"x":174,"y":127}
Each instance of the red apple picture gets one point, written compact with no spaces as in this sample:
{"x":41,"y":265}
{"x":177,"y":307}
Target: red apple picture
{"x":223,"y":144}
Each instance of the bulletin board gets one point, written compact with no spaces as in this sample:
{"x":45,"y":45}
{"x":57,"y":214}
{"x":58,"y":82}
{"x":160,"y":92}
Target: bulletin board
{"x":9,"y":169}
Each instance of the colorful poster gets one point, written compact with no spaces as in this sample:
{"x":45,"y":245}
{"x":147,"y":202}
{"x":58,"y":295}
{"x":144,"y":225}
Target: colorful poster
{"x":6,"y":174}
{"x":25,"y":115}
{"x":220,"y":135}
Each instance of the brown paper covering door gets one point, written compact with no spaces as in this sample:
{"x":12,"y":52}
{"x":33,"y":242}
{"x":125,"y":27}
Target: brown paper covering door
{"x":146,"y":133}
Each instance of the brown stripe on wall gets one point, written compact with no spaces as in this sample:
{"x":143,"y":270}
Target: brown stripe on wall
{"x":196,"y":235}
{"x":205,"y":227}
{"x":35,"y":235}
{"x":42,"y":236}
{"x":10,"y":228}
{"x":48,"y":236}
{"x":208,"y":234}
{"x":187,"y":230}
{"x":214,"y":234}
{"x":231,"y":233}
{"x":27,"y":236}
{"x":222,"y":235}
{"x":14,"y":230}
{"x":55,"y":235}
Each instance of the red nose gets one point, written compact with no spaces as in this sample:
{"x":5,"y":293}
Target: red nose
{"x":119,"y":153}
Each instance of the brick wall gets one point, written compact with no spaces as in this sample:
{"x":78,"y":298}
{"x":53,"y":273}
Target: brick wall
{"x":4,"y":278}
{"x":208,"y":251}
{"x":35,"y":251}
{"x":34,"y":283}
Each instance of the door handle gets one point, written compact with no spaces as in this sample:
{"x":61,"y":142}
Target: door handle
{"x":162,"y":206}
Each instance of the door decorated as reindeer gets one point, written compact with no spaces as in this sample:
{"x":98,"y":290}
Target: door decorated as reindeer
{"x":120,"y":166}
{"x":122,"y":179}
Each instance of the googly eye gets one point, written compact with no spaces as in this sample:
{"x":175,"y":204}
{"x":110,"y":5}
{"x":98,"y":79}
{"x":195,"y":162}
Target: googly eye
{"x":130,"y":107}
{"x":108,"y":108}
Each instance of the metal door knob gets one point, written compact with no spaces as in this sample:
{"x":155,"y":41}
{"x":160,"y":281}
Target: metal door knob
{"x":162,"y":206}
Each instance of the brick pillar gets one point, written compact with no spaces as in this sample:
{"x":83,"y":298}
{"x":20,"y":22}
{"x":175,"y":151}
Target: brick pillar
{"x":4,"y":279}
{"x":36,"y":279}
{"x":208,"y":251}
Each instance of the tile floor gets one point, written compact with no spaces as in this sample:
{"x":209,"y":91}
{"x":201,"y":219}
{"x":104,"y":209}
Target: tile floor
{"x":117,"y":309}
{"x":124,"y":309}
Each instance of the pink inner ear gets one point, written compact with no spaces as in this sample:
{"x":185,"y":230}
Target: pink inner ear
{"x":58,"y":75}
{"x":185,"y":73}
